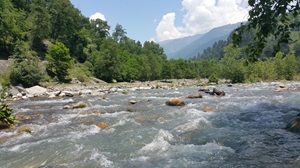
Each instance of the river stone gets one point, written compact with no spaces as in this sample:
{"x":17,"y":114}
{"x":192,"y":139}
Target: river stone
{"x":195,"y":96}
{"x":24,"y":128}
{"x":294,"y":125}
{"x":36,"y":90}
{"x":132,"y":102}
{"x":175,"y":102}
{"x":75,"y":105}
{"x":218,"y":92}
{"x":102,"y":125}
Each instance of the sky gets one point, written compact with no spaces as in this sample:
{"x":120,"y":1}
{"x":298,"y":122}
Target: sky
{"x":161,"y":20}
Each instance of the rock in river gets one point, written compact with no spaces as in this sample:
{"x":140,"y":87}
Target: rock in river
{"x":75,"y":105}
{"x":175,"y":102}
{"x":294,"y":125}
{"x":195,"y":96}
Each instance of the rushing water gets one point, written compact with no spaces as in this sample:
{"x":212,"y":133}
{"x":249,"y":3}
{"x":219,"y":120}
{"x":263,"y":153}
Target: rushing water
{"x":246,"y":130}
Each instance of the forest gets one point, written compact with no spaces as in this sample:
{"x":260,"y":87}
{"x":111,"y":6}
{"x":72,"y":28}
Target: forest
{"x":50,"y":40}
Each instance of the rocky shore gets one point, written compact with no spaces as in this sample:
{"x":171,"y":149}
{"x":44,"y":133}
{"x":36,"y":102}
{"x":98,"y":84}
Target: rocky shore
{"x":95,"y":87}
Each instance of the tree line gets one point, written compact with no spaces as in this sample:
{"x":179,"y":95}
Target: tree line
{"x":74,"y":46}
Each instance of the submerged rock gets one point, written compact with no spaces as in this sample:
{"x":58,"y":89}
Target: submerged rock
{"x":25,"y":128}
{"x":102,"y":125}
{"x":294,"y":125}
{"x":175,"y":102}
{"x":208,"y":109}
{"x":195,"y":96}
{"x":75,"y":105}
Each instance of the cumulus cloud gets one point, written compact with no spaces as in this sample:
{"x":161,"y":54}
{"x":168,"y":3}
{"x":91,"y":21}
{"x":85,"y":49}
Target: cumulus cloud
{"x":201,"y":16}
{"x":98,"y":15}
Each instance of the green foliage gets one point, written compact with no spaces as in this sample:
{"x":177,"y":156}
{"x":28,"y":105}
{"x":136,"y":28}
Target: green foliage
{"x":213,"y":78}
{"x":231,"y":67}
{"x":26,"y":73}
{"x":269,"y":17}
{"x":5,"y":111}
{"x":59,"y":61}
{"x":4,"y":79}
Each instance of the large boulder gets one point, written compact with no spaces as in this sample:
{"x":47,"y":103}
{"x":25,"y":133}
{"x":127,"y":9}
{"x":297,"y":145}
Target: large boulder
{"x":294,"y":125}
{"x":218,"y":92}
{"x":175,"y":102}
{"x":36,"y":90}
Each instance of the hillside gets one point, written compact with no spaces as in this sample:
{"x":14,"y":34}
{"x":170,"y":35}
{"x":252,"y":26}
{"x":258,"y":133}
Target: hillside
{"x":199,"y":43}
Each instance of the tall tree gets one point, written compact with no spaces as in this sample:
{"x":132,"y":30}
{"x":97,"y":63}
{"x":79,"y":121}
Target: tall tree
{"x":119,"y":33}
{"x":60,"y":61}
{"x":9,"y":31}
{"x":39,"y":23}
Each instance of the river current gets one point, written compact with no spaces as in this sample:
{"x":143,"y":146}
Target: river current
{"x":246,"y":129}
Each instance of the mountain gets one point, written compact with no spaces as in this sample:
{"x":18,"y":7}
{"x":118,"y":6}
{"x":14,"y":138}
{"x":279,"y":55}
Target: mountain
{"x":174,"y":45}
{"x":189,"y":47}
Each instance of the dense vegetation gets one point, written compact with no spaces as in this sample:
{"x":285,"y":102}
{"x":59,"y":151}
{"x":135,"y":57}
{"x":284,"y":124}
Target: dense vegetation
{"x":32,"y":31}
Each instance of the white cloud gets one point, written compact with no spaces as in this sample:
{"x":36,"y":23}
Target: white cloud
{"x":201,"y":16}
{"x":98,"y":15}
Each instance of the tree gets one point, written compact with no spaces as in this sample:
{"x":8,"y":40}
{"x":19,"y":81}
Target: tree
{"x":269,"y":17}
{"x":231,"y":67}
{"x":119,"y":33}
{"x":59,"y":61}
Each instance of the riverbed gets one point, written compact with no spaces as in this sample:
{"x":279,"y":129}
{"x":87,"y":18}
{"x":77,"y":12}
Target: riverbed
{"x":244,"y":128}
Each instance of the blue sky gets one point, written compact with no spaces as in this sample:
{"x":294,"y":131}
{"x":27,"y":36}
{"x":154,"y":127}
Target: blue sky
{"x":161,"y":20}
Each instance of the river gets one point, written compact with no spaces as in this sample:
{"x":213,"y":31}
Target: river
{"x":246,"y":129}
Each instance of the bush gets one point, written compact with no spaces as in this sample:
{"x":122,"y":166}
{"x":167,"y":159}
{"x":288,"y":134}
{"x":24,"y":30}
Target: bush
{"x":5,"y":111}
{"x":26,"y":73}
{"x":213,"y":78}
{"x":60,"y":61}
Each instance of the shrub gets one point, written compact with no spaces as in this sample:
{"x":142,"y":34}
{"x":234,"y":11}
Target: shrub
{"x":60,"y":61}
{"x":213,"y":78}
{"x":5,"y":111}
{"x":26,"y":73}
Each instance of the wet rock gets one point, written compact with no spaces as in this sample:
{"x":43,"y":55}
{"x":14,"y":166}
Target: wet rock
{"x":25,"y":128}
{"x":175,"y":102}
{"x":218,"y":92}
{"x":36,"y":91}
{"x":75,"y":105}
{"x":203,"y":90}
{"x":230,"y":85}
{"x":294,"y":125}
{"x":102,"y":125}
{"x":132,"y":102}
{"x":68,"y":94}
{"x":195,"y":96}
{"x":22,"y":117}
{"x":208,"y":109}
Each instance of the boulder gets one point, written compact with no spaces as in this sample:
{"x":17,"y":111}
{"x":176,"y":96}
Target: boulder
{"x":75,"y":105}
{"x":294,"y":125}
{"x":102,"y":125}
{"x":36,"y":91}
{"x":132,"y":102}
{"x":175,"y":102}
{"x":218,"y":92}
{"x":195,"y":96}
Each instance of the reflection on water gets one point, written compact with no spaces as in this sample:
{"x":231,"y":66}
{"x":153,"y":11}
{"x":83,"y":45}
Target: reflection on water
{"x":245,"y":129}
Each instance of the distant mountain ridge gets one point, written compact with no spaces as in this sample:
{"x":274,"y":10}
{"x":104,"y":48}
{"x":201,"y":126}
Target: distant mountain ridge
{"x":189,"y":47}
